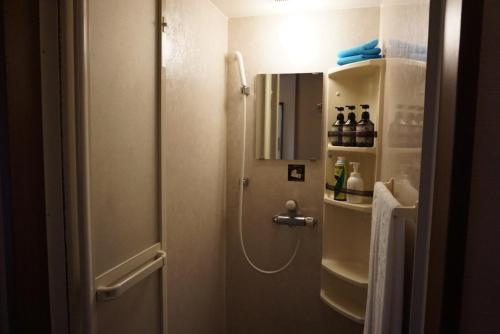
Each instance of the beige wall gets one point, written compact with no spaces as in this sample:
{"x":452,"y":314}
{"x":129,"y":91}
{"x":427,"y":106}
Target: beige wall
{"x":288,"y":302}
{"x":195,"y":147}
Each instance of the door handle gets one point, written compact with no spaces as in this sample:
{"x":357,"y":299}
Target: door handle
{"x":116,"y":289}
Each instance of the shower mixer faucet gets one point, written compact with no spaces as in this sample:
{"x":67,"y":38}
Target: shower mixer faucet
{"x":292,"y":218}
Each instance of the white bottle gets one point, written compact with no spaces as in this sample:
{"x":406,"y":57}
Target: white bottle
{"x":355,"y":182}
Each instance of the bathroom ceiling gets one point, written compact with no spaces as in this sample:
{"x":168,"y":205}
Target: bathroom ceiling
{"x":238,"y":8}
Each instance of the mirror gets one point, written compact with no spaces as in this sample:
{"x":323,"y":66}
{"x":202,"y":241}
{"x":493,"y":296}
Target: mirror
{"x":288,"y":112}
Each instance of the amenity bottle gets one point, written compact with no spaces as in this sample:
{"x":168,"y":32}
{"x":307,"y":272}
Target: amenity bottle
{"x":406,"y":129}
{"x":340,"y":180}
{"x":355,"y":183}
{"x":365,"y":129}
{"x":419,"y":119}
{"x":349,"y":128}
{"x":336,"y":129}
{"x":396,"y":132}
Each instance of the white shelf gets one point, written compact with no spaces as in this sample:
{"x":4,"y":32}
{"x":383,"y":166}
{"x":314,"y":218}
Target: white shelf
{"x":353,"y":272}
{"x":353,"y":149}
{"x":366,"y":208}
{"x":405,"y":62}
{"x":346,"y":308}
{"x":361,"y":66}
{"x":347,"y":226}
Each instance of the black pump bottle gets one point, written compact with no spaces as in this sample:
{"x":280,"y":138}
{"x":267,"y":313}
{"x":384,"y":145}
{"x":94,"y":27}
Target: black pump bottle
{"x":336,"y":129}
{"x":365,"y":129}
{"x":349,"y":128}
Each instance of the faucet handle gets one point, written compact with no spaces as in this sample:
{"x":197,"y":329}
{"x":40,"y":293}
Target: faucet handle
{"x":291,"y":205}
{"x":310,"y":221}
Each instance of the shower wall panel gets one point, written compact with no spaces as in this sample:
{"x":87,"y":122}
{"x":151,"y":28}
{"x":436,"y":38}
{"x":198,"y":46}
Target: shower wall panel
{"x":195,"y":148}
{"x":288,"y":302}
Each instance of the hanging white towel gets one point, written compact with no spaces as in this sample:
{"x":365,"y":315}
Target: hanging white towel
{"x":384,"y":309}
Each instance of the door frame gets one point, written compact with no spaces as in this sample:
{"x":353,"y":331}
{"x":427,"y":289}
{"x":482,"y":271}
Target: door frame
{"x":24,"y":267}
{"x":49,"y":17}
{"x":72,"y":45}
{"x":451,"y":94}
{"x":449,"y":76}
{"x":5,"y":252}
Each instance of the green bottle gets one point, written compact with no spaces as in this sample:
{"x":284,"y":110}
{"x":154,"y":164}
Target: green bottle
{"x":340,"y":180}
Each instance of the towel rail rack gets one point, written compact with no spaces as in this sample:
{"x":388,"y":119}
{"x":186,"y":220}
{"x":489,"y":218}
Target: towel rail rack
{"x":409,"y":215}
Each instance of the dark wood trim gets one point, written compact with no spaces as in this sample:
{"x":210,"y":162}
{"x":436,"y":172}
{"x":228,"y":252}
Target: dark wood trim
{"x":465,"y":117}
{"x":30,"y":311}
{"x":457,"y":107}
{"x":5,"y":226}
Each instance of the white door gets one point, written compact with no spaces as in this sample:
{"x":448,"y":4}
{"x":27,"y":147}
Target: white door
{"x":118,"y":163}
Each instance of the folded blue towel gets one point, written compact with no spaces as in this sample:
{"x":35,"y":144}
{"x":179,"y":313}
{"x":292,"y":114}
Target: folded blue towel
{"x":354,"y":59}
{"x":374,"y":51}
{"x":407,"y":47}
{"x":357,"y":50}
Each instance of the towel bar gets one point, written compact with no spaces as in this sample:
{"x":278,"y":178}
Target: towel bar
{"x":406,"y":212}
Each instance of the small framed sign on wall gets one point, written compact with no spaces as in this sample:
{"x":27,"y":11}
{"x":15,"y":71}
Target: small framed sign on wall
{"x":296,"y":173}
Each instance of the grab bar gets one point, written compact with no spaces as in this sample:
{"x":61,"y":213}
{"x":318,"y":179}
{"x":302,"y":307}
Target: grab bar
{"x":105,"y":293}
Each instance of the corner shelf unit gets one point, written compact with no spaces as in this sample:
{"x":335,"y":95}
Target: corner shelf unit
{"x":350,"y":310}
{"x":352,"y":272}
{"x":361,"y":68}
{"x":368,"y":150}
{"x":346,"y":226}
{"x":367,"y":208}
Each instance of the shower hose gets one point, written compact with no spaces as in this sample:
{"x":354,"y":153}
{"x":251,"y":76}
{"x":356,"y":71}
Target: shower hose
{"x":240,"y":211}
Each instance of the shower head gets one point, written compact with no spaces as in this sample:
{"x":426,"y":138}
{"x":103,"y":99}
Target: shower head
{"x":243,"y":78}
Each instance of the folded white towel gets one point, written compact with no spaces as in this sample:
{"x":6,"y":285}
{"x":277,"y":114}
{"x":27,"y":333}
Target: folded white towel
{"x":384,"y":309}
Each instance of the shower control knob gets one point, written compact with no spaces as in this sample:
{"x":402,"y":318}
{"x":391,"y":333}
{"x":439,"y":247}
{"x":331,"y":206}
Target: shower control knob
{"x":291,"y":205}
{"x":310,"y":221}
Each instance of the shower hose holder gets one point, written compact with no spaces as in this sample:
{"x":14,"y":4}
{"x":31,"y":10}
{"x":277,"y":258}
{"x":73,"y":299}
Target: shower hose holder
{"x":245,"y":90}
